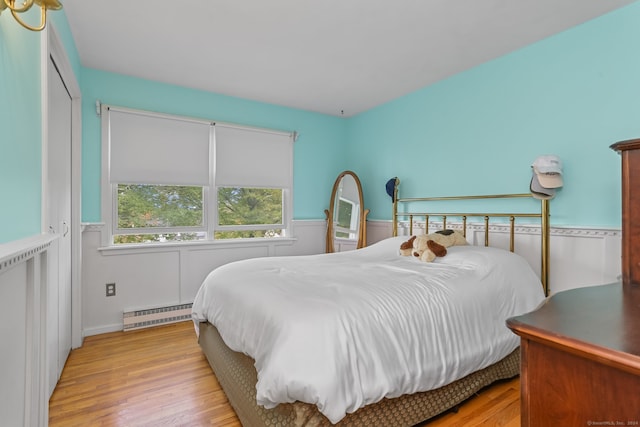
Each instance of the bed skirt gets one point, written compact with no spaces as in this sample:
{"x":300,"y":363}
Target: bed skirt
{"x":238,"y":377}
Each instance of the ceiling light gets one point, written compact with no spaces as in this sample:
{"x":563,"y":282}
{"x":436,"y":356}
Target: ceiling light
{"x":17,"y":9}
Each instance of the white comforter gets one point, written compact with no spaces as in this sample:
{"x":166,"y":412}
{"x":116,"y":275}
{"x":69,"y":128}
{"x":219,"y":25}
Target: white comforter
{"x":345,"y":330}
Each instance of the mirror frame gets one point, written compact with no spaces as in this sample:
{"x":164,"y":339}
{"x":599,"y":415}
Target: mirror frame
{"x":362,"y":214}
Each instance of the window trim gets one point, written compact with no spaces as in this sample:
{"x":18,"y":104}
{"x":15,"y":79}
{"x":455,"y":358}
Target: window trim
{"x":210,"y":212}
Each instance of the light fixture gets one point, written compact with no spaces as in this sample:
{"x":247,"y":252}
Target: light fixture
{"x":17,"y":9}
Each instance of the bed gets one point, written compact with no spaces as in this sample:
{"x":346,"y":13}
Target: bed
{"x":366,"y":337}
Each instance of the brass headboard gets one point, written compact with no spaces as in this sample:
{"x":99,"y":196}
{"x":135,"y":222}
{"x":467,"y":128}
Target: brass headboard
{"x":543,"y":215}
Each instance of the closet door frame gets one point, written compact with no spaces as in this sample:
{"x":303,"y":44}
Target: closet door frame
{"x":51,"y":47}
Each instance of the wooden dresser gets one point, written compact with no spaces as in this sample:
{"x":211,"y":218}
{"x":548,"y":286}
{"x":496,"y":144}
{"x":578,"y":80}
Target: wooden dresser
{"x":580,"y":350}
{"x":580,"y":356}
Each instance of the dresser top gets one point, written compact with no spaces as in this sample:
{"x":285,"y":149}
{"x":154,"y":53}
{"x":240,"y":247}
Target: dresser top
{"x":602,"y":321}
{"x":629,"y":144}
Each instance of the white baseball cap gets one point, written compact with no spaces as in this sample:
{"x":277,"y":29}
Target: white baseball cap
{"x":548,"y":171}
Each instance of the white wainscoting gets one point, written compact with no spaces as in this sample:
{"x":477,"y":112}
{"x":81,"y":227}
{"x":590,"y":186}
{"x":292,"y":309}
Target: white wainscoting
{"x":155,"y":277}
{"x":149,"y":277}
{"x":24,"y":394}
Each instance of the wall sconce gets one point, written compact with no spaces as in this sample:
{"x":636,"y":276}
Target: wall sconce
{"x":16,"y":9}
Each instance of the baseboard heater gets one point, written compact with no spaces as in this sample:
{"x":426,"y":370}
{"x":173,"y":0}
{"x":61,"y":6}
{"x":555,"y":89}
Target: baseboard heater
{"x":139,"y":319}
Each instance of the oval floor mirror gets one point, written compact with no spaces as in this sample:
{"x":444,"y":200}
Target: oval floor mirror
{"x":346,"y":216}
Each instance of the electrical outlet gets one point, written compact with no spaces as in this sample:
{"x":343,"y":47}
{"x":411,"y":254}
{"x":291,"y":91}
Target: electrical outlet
{"x":111,"y":289}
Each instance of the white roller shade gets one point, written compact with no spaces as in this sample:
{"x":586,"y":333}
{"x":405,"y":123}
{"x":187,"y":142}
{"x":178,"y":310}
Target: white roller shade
{"x":252,"y":158}
{"x":150,"y":149}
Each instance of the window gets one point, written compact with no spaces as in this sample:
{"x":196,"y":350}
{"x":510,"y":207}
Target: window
{"x":168,"y":178}
{"x":159,"y":213}
{"x":249,"y":212}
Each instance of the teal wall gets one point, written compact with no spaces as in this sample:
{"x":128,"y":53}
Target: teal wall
{"x":21,"y":122}
{"x":478,"y":132}
{"x":571,"y":95}
{"x":20,"y":131}
{"x":318,"y":152}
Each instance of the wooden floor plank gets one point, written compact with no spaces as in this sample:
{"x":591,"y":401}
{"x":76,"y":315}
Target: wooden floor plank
{"x":159,"y":377}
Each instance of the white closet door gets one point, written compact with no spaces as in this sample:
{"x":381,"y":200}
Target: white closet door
{"x":59,"y":201}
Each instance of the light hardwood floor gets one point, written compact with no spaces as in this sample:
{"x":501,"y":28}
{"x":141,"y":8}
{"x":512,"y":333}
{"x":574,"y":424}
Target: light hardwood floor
{"x":159,"y":377}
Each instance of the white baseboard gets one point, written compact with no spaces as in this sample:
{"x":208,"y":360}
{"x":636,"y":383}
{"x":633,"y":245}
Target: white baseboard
{"x":116,"y":327}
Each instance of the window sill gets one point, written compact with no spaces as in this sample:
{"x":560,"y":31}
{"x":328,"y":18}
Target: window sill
{"x":207,"y":244}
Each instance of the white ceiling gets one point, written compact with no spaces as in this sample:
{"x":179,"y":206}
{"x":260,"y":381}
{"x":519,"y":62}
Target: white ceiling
{"x":329,"y":56}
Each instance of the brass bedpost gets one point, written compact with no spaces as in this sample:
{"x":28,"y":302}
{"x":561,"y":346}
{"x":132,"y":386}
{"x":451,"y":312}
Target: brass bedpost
{"x":464,"y":226}
{"x":545,"y":235}
{"x":512,"y":233}
{"x":395,"y":207}
{"x":486,"y":230}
